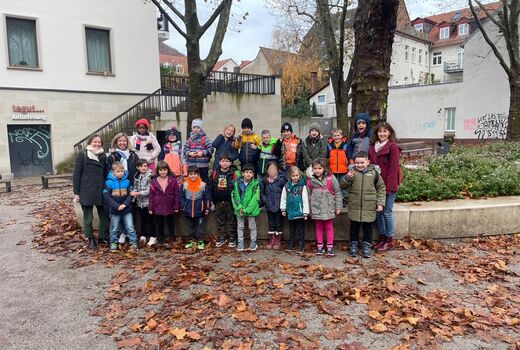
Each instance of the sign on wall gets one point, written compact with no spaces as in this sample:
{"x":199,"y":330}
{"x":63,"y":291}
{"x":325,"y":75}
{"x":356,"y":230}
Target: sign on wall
{"x":29,"y":149}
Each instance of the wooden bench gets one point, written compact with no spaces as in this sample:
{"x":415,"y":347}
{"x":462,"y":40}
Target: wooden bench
{"x":416,"y":148}
{"x":46,"y":178}
{"x":7,"y":185}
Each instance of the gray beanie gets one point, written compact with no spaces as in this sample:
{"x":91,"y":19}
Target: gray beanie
{"x":197,"y":122}
{"x":316,"y":126}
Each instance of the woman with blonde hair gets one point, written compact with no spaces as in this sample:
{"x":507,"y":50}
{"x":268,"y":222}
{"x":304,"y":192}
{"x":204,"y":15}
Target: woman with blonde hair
{"x":122,"y":152}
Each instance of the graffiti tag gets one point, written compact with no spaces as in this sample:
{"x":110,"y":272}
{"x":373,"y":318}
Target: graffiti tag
{"x":470,"y":124}
{"x":491,"y":126}
{"x":37,"y":136}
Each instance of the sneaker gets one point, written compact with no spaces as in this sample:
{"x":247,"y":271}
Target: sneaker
{"x":142,"y":240}
{"x":330,"y":252}
{"x":301,"y":249}
{"x":134,"y":247}
{"x":201,"y":245}
{"x":353,"y":249}
{"x":122,"y":238}
{"x":253,"y":246}
{"x":152,"y":241}
{"x":240,"y":247}
{"x":92,"y":244}
{"x":113,"y":247}
{"x":290,"y":247}
{"x":320,"y":251}
{"x":220,"y":242}
{"x":190,"y":244}
{"x":367,"y":250}
{"x":232,"y":243}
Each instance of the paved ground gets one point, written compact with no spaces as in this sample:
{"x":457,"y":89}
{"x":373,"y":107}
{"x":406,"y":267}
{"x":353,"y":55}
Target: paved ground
{"x":461,"y":295}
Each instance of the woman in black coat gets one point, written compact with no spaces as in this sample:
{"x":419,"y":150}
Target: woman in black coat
{"x":88,"y":182}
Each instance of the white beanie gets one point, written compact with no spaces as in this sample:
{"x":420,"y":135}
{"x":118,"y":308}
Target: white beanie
{"x":197,"y":122}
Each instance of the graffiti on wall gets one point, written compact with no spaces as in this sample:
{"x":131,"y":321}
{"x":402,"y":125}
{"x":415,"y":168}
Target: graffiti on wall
{"x":470,"y":124}
{"x":37,"y":136}
{"x":415,"y":126}
{"x":491,"y":126}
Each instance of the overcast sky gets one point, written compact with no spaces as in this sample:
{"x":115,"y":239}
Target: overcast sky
{"x":256,"y":30}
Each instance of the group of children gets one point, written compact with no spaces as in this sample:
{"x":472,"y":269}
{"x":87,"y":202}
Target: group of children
{"x":292,"y":178}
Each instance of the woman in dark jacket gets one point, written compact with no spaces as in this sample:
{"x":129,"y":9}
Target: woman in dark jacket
{"x":123,"y":153}
{"x":89,"y":182}
{"x":385,"y":153}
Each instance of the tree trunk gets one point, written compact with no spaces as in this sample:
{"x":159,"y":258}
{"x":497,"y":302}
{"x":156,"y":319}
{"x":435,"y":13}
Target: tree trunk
{"x":196,"y":83}
{"x":513,"y":120}
{"x":374,"y":25}
{"x":342,"y":114}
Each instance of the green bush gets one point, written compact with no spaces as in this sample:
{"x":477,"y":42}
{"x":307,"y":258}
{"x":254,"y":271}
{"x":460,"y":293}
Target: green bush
{"x":475,"y":172}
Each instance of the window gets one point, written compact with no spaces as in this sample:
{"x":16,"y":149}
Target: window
{"x":321,"y":99}
{"x":444,"y":33}
{"x":450,"y":119}
{"x":405,"y":80}
{"x":98,"y":50}
{"x":406,"y":52}
{"x":420,"y":56}
{"x":21,"y":42}
{"x":419,"y":27}
{"x":224,"y":69}
{"x":437,"y":58}
{"x":463,"y":29}
{"x":413,"y":54}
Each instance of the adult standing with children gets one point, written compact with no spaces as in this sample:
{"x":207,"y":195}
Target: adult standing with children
{"x":88,"y":184}
{"x":385,"y":153}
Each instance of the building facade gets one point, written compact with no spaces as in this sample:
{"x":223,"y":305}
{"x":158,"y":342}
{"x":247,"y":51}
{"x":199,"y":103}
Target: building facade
{"x":64,"y":73}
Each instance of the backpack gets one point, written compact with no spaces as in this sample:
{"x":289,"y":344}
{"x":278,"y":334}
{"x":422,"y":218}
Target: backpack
{"x":329,"y":184}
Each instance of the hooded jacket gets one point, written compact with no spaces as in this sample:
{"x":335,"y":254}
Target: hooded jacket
{"x":195,"y":198}
{"x":247,"y":155}
{"x":142,"y":185}
{"x":289,"y":152}
{"x":388,"y":160}
{"x":117,"y":192}
{"x":323,"y":202}
{"x":295,"y":200}
{"x":195,"y":143}
{"x":366,"y":190}
{"x":313,"y":149}
{"x":223,"y":146}
{"x":360,"y":142}
{"x":271,"y":192}
{"x":246,"y":198}
{"x":338,"y":156}
{"x":172,"y":154}
{"x":164,"y":202}
{"x":266,"y":155}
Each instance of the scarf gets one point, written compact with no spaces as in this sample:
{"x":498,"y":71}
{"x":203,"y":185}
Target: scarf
{"x":124,"y":154}
{"x":93,"y":153}
{"x":141,"y":139}
{"x":313,"y":140}
{"x":194,"y":186}
{"x":378,"y":145}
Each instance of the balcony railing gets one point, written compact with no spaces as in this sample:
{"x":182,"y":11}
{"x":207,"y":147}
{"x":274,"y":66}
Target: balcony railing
{"x":453,"y":67}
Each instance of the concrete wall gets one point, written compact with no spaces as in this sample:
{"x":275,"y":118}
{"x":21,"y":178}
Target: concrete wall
{"x":62,"y":48}
{"x":301,"y":126}
{"x":72,"y":116}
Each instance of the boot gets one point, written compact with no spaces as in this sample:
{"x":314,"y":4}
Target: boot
{"x":388,"y":245}
{"x":270,"y":244}
{"x":382,"y":240}
{"x":92,"y":244}
{"x":353,"y":248}
{"x":277,"y":241}
{"x":367,"y":250}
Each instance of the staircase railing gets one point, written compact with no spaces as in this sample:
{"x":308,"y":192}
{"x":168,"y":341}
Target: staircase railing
{"x":150,"y":107}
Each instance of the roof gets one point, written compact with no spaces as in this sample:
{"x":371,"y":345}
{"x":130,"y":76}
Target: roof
{"x":319,"y":90}
{"x":221,"y":63}
{"x":244,"y":63}
{"x":465,"y":12}
{"x":174,"y":60}
{"x":168,"y":50}
{"x":275,"y":58}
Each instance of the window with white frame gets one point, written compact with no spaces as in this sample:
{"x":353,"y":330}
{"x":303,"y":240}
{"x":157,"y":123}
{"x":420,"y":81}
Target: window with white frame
{"x":444,"y":33}
{"x":406,"y":52}
{"x":420,"y":56}
{"x":463,"y":29}
{"x":450,"y":119}
{"x":413,"y":54}
{"x":437,"y":58}
{"x":322,"y":99}
{"x":21,"y":42}
{"x":419,"y":27}
{"x":98,"y":50}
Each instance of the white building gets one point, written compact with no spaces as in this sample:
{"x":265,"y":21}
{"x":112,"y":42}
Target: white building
{"x":64,"y":73}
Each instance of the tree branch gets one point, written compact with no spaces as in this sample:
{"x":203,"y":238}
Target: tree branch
{"x":490,"y":43}
{"x":174,"y":9}
{"x":172,"y":22}
{"x":489,"y":15}
{"x":216,"y":45}
{"x":301,"y":13}
{"x":213,"y":17}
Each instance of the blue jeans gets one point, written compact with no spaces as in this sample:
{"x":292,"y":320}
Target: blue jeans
{"x":340,"y":178}
{"x":129,"y":225}
{"x":385,"y":219}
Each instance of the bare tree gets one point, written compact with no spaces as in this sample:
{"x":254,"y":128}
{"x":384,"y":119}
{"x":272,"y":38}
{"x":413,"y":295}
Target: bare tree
{"x":506,"y":20}
{"x":198,"y":68}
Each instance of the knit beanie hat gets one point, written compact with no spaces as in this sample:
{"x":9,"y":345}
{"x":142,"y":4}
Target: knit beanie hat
{"x":174,"y":132}
{"x":286,"y":127}
{"x":247,"y":123}
{"x":143,"y":121}
{"x":316,"y":126}
{"x":197,"y":122}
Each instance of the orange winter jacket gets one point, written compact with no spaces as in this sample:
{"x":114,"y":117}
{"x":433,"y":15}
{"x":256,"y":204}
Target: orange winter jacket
{"x":338,"y":156}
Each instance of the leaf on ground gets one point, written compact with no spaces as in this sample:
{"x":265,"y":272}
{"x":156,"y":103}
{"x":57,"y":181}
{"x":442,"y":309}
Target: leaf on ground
{"x":223,"y":300}
{"x":129,"y":342}
{"x":246,"y":316}
{"x":178,"y":333}
{"x":378,"y":328}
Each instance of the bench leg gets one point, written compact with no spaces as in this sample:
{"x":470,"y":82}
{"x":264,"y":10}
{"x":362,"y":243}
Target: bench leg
{"x":8,"y":187}
{"x":45,"y":183}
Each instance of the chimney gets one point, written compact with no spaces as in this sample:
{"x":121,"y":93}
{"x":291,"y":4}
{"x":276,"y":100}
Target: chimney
{"x":314,"y":82}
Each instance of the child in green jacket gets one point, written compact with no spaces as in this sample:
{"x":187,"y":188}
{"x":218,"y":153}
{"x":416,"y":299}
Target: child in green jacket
{"x":246,"y":202}
{"x":366,"y":196}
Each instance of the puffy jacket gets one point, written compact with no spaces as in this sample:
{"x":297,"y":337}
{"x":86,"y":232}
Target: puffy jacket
{"x":266,"y":155}
{"x":246,"y":153}
{"x":313,"y":149}
{"x":246,"y":198}
{"x":360,"y":142}
{"x":117,"y":192}
{"x":366,"y":190}
{"x":195,"y":143}
{"x":338,"y":156}
{"x":388,"y":160}
{"x":222,"y":184}
{"x":164,"y":202}
{"x":142,"y":185}
{"x":131,"y":163}
{"x":289,"y":152}
{"x":295,"y":200}
{"x":195,"y":198}
{"x":146,"y":146}
{"x":271,"y":192}
{"x":325,"y":197}
{"x":172,"y":154}
{"x":222,"y":146}
{"x":88,"y":179}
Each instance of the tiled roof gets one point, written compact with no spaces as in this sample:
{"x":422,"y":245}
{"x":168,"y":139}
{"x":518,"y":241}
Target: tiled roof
{"x":219,"y":64}
{"x":174,"y":60}
{"x":275,"y":58}
{"x":168,"y":50}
